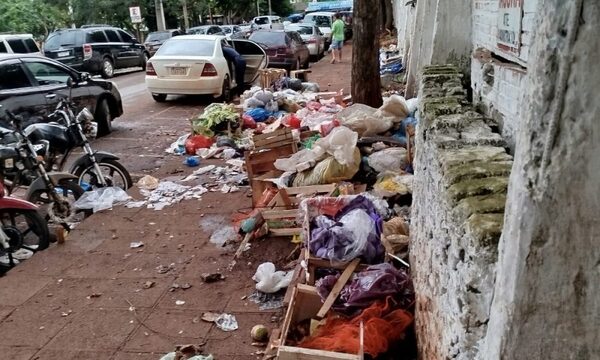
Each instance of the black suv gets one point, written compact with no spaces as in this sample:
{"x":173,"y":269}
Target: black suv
{"x":96,"y":49}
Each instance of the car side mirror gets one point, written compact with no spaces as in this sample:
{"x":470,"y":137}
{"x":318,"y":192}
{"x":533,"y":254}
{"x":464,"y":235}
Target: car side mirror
{"x":84,"y":76}
{"x":70,"y":82}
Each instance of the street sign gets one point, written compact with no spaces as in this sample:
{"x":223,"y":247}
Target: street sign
{"x":135,"y":14}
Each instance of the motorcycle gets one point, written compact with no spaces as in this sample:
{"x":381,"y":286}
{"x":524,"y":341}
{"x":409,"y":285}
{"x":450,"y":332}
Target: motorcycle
{"x":92,"y":169}
{"x":23,"y":231}
{"x":21,"y":165}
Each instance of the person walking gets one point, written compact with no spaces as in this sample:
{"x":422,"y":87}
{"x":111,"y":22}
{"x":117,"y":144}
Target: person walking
{"x":337,"y":38}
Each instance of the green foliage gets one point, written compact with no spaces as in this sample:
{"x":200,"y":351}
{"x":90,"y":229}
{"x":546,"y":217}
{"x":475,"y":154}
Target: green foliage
{"x":36,"y":17}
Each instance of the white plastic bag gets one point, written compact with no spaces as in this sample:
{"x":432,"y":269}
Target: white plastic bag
{"x":340,"y":143}
{"x":390,"y":159}
{"x":270,"y":281}
{"x":101,"y":198}
{"x":365,"y":120}
{"x":394,"y":106}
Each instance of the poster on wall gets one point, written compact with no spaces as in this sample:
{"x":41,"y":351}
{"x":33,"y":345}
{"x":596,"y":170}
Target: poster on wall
{"x":510,"y":15}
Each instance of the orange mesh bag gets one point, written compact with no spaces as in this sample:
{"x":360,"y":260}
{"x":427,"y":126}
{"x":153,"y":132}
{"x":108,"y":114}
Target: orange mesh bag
{"x":383,"y":326}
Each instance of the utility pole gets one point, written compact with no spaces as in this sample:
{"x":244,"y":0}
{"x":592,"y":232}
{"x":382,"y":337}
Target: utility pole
{"x":257,"y":8}
{"x":160,"y":15}
{"x":270,"y":11}
{"x":186,"y":21}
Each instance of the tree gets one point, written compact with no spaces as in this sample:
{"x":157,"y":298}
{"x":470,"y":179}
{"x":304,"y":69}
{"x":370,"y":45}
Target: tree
{"x":366,"y":86}
{"x":35,"y":17}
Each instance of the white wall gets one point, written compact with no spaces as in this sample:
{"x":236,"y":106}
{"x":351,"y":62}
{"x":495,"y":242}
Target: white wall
{"x":503,"y":98}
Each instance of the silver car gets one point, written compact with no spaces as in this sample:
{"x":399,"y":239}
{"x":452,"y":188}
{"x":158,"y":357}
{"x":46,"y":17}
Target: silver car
{"x":312,"y":37}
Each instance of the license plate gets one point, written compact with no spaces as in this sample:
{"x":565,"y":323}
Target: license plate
{"x":63,"y":54}
{"x":178,"y":71}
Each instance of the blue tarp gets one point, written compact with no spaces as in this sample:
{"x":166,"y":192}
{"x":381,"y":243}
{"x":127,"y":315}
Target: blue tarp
{"x":329,"y":5}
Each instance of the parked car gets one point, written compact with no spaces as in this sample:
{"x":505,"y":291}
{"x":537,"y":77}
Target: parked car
{"x":32,"y":85}
{"x":323,"y":20}
{"x":195,"y":65}
{"x":18,"y":44}
{"x":285,"y":49}
{"x":233,"y":31}
{"x":206,"y":30}
{"x":268,"y":22}
{"x":248,"y":28}
{"x":312,"y":37}
{"x":157,"y":38}
{"x":96,"y":49}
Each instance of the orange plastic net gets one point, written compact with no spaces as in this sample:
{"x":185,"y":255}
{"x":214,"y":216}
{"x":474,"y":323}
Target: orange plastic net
{"x":383,"y":326}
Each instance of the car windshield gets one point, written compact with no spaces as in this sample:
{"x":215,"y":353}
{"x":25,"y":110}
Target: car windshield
{"x":63,"y":38}
{"x":158,"y":36}
{"x":226,"y":29}
{"x":269,"y":38}
{"x":261,"y":21}
{"x":302,"y":30}
{"x":187,"y":47}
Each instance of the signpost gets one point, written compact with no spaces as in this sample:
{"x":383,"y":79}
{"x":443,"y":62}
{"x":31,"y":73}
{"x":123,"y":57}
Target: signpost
{"x":135,"y":14}
{"x":510,"y":15}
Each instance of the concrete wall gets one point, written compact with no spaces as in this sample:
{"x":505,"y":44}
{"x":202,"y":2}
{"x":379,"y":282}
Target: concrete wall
{"x":461,"y":172}
{"x":546,"y":299}
{"x":497,"y":77}
{"x":441,"y":35}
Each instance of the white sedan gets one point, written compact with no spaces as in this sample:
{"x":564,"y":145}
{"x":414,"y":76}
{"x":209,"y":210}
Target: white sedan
{"x":195,"y":65}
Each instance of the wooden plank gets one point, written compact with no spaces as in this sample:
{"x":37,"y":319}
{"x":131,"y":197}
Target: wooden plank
{"x":285,"y":232}
{"x":337,"y":288}
{"x":279,"y":214}
{"x":285,"y":197}
{"x":296,"y":353}
{"x":311,"y":189}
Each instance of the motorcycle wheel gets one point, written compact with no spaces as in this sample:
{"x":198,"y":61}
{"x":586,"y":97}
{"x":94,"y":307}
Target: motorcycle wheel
{"x":68,"y":192}
{"x":26,"y":230}
{"x":114,"y":174}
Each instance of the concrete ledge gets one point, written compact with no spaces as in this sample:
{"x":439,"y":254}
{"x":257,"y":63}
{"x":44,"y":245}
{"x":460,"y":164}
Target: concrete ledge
{"x":461,"y":179}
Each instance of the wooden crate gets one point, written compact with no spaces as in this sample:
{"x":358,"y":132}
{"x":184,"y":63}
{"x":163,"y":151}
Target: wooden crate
{"x":305,"y":304}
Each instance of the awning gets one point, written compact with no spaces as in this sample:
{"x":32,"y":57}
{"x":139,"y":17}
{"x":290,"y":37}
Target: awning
{"x":329,"y":5}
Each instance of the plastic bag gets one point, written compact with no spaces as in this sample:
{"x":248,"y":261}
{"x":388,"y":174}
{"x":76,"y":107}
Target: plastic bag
{"x":252,"y":103}
{"x":341,"y":143}
{"x":196,"y":142}
{"x":394,"y":106}
{"x":226,"y":322}
{"x":291,"y":120}
{"x":270,"y":281}
{"x":263,"y":95}
{"x":101,"y":198}
{"x":173,"y":356}
{"x":328,"y":171}
{"x":411,"y":105}
{"x":310,"y":87}
{"x":258,"y":114}
{"x":272,"y":106}
{"x":390,"y":159}
{"x":178,"y":146}
{"x":147,"y":182}
{"x":365,"y":120}
{"x":393,"y":184}
{"x":248,"y":122}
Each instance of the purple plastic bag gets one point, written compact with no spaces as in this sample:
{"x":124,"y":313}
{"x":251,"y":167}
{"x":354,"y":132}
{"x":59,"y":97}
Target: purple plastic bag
{"x":374,"y":283}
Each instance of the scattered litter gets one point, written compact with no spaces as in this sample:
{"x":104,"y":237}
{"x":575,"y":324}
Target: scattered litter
{"x":94,"y":295}
{"x":101,"y":198}
{"x":179,"y":302}
{"x":192,"y":161}
{"x":147,"y":182}
{"x":136,"y":244}
{"x":221,"y":236}
{"x":178,"y":146}
{"x":210,"y":316}
{"x":187,"y":352}
{"x":169,"y":193}
{"x":226,"y":322}
{"x":267,"y":301}
{"x":212,"y":277}
{"x":148,"y":284}
{"x":67,"y":313}
{"x":176,"y":286}
{"x":163,"y":269}
{"x":270,"y":281}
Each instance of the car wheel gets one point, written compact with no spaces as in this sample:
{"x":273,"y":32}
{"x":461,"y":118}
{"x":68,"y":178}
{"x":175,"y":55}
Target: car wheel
{"x":145,"y":61}
{"x":103,"y":118}
{"x":108,"y":68}
{"x":159,"y":97}
{"x":226,"y":90}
